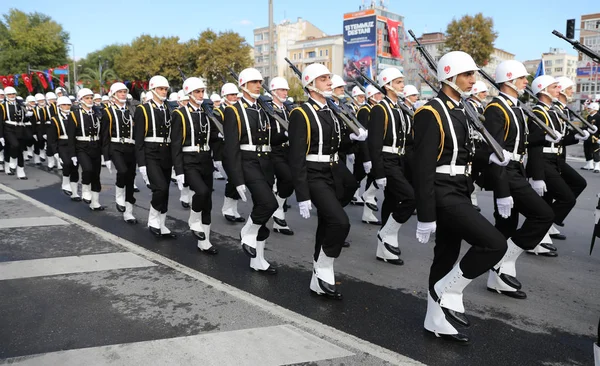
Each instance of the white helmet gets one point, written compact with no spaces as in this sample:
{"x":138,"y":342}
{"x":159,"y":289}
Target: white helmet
{"x":337,"y":81}
{"x":50,"y":96}
{"x":61,"y":90}
{"x":279,"y":83}
{"x":229,"y":88}
{"x":142,"y":96}
{"x":97,"y":96}
{"x":564,"y":83}
{"x":215,"y":97}
{"x":63,"y":100}
{"x":290,"y":99}
{"x":181,"y":96}
{"x":148,"y":97}
{"x":454,"y":63}
{"x":114,"y":88}
{"x":1,"y":92}
{"x":478,"y":87}
{"x":105,"y":98}
{"x":310,"y":73}
{"x":84,"y":92}
{"x":249,"y":74}
{"x":10,"y":90}
{"x":410,"y":90}
{"x":371,"y":91}
{"x":387,"y":75}
{"x":39,"y":97}
{"x":191,"y":84}
{"x":356,"y":91}
{"x":158,"y":81}
{"x":594,"y":106}
{"x":510,"y":70}
{"x":539,"y":84}
{"x":172,"y":97}
{"x":29,"y":99}
{"x":129,"y":96}
{"x":72,"y":98}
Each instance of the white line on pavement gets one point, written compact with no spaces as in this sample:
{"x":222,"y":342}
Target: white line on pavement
{"x":31,"y":222}
{"x":7,"y":197}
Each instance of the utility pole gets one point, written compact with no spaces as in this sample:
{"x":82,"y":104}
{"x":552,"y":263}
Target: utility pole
{"x":271,"y":42}
{"x":100,"y":74}
{"x":74,"y":70}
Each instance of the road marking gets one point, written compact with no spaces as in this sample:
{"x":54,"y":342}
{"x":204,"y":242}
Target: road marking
{"x":31,"y":222}
{"x":7,"y":197}
{"x":298,"y":320}
{"x":66,"y":265}
{"x":277,"y":345}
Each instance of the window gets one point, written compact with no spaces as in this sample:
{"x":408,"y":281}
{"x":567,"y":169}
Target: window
{"x":326,"y":52}
{"x":559,"y":61}
{"x":294,"y":57}
{"x":320,"y":53}
{"x":548,"y":63}
{"x":258,"y":37}
{"x":558,"y":69}
{"x":258,"y":49}
{"x":312,"y":54}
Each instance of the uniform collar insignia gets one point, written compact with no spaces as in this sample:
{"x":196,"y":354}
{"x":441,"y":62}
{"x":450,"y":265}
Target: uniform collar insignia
{"x":509,"y":102}
{"x":245,"y":105}
{"x":450,"y":104}
{"x":316,"y":107}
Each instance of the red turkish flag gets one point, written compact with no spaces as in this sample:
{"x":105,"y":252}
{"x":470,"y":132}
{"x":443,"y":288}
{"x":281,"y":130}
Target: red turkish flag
{"x":393,"y":37}
{"x":42,"y":78}
{"x":4,"y":81}
{"x":11,"y":80}
{"x":27,"y":81}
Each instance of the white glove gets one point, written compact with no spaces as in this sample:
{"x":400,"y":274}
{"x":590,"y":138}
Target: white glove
{"x":424,"y":231}
{"x":44,"y":136}
{"x":550,"y":139}
{"x":539,"y":186}
{"x":286,"y":134}
{"x":108,"y":164}
{"x":350,"y":158}
{"x":381,"y":183}
{"x":180,"y":180}
{"x":2,"y":141}
{"x":219,"y":166}
{"x":74,"y":160}
{"x":505,"y":206}
{"x":305,"y":207}
{"x":220,"y":135}
{"x":585,"y":136}
{"x":362,"y":135}
{"x":29,"y":114}
{"x":593,"y":129}
{"x":242,"y":191}
{"x":58,"y":159}
{"x":144,"y":174}
{"x":367,"y":165}
{"x":494,"y":159}
{"x":35,"y":138}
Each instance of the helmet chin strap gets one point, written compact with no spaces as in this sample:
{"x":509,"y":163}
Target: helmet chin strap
{"x":87,"y":105}
{"x":253,"y":95}
{"x":452,"y":84}
{"x":569,"y":99}
{"x":162,"y":99}
{"x":398,"y":94}
{"x":324,"y":94}
{"x":512,"y":85}
{"x":11,"y":99}
{"x":553,"y":99}
{"x":198,"y":102}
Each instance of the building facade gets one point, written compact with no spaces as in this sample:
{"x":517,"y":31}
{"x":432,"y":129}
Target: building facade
{"x":588,"y":73}
{"x":557,"y":62}
{"x":324,"y":50}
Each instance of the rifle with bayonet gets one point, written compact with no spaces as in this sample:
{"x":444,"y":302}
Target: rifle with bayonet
{"x":583,"y":120}
{"x":207,"y":108}
{"x":265,"y":104}
{"x":433,"y":88}
{"x":347,"y":117}
{"x":579,"y":47}
{"x":472,"y":116}
{"x":558,"y":112}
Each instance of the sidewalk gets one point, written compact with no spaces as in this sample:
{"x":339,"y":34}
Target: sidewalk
{"x":73,"y":294}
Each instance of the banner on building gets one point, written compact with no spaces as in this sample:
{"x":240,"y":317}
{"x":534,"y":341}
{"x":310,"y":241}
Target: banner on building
{"x":393,"y":37}
{"x":359,"y":44}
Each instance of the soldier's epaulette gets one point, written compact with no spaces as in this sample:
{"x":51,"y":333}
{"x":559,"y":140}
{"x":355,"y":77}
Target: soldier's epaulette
{"x":315,"y":106}
{"x":450,"y":105}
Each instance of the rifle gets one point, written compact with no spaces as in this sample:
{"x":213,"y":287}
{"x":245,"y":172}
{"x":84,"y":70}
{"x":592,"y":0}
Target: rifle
{"x":472,"y":116}
{"x":288,"y":106}
{"x":436,"y":90}
{"x":579,"y":117}
{"x":346,"y":116}
{"x":264,"y":104}
{"x":524,"y":107}
{"x":207,"y":108}
{"x":579,"y":47}
{"x":558,"y":112}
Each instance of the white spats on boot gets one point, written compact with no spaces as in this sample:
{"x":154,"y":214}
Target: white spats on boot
{"x":86,"y":193}
{"x":368,"y":216}
{"x":163,"y":228}
{"x":184,"y":197}
{"x":435,"y":319}
{"x":323,"y":271}
{"x":43,"y":154}
{"x":13,"y":163}
{"x":357,"y":199}
{"x":387,"y":242}
{"x":26,"y":155}
{"x":540,"y":250}
{"x":230,"y":211}
{"x":120,"y":198}
{"x":66,"y":186}
{"x":589,"y":165}
{"x":279,"y":223}
{"x":95,"y":204}
{"x":597,"y":167}
{"x":553,"y":231}
{"x":507,"y":266}
{"x":128,"y":214}
{"x":21,"y":173}
{"x":450,"y":290}
{"x":154,"y":218}
{"x":249,"y":233}
{"x":205,"y":245}
{"x":30,"y":152}
{"x":36,"y":159}
{"x":259,"y":263}
{"x":6,"y":168}
{"x":102,"y":162}
{"x":195,"y":223}
{"x":74,"y":194}
{"x":51,"y":162}
{"x":369,"y":197}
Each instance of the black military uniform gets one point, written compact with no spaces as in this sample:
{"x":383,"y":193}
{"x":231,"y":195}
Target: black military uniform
{"x":363,"y":156}
{"x":190,"y":133}
{"x":247,"y":161}
{"x":506,"y":122}
{"x":388,"y":131}
{"x":591,"y":146}
{"x":83,"y":131}
{"x":316,"y":136}
{"x":12,"y":129}
{"x":58,"y":143}
{"x":409,"y":146}
{"x":118,"y":146}
{"x":51,"y":111}
{"x":41,"y":117}
{"x":152,"y":130}
{"x":444,"y":145}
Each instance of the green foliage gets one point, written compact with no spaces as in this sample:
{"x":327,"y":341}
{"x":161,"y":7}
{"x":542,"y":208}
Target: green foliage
{"x":474,"y":35}
{"x":295,"y":85}
{"x":91,"y":78}
{"x":106,"y":56}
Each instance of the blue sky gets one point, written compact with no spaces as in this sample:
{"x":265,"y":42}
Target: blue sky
{"x":521,"y":27}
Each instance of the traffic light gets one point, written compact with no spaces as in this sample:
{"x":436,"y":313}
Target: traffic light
{"x":570,"y":28}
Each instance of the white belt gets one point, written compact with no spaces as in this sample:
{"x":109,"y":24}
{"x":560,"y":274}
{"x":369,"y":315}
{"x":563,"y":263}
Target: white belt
{"x":160,"y":140}
{"x":255,"y":148}
{"x":122,"y":140}
{"x":550,"y":150}
{"x":392,"y":150}
{"x":27,"y":123}
{"x":196,"y":148}
{"x":87,"y":138}
{"x":316,"y":158}
{"x":445,"y":169}
{"x":63,"y":137}
{"x":516,"y":157}
{"x":14,"y":123}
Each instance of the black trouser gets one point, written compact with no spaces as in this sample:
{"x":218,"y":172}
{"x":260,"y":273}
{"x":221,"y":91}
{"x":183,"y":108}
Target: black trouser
{"x":16,"y":146}
{"x":198,"y":175}
{"x":563,"y":186}
{"x":458,"y":222}
{"x":88,"y":157}
{"x":68,"y":169}
{"x":588,"y":149}
{"x":123,"y":158}
{"x":160,"y":179}
{"x":399,"y":195}
{"x":538,"y":214}
{"x":285,"y":185}
{"x":407,"y":164}
{"x":231,"y":192}
{"x":259,"y":179}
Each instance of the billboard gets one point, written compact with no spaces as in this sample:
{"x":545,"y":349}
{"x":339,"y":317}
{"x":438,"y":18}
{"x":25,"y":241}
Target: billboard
{"x":360,"y":35}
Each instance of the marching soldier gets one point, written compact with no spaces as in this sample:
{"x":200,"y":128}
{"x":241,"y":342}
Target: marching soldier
{"x":280,"y":147}
{"x":216,"y":99}
{"x":41,"y":118}
{"x":192,"y":159}
{"x":118,"y":148}
{"x":513,"y":196}
{"x":478,"y":95}
{"x":358,"y":101}
{"x":12,"y":132}
{"x":593,"y":147}
{"x":152,"y":130}
{"x":315,"y":136}
{"x":83,"y":131}
{"x":444,"y":145}
{"x":247,"y":161}
{"x":52,"y":111}
{"x":182,"y":100}
{"x":97,"y":100}
{"x":389,"y":129}
{"x":411,"y":95}
{"x":230,"y":202}
{"x":30,"y":129}
{"x":58,"y":148}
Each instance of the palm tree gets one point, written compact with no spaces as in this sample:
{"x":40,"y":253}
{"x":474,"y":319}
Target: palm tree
{"x":91,"y":77}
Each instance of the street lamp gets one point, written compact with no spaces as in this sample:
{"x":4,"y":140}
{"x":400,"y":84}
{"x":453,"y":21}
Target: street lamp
{"x":74,"y":85}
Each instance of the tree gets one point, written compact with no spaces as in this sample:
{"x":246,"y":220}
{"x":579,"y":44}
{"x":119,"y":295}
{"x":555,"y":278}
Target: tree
{"x":296,"y":91}
{"x":474,"y":35}
{"x":91,"y":78}
{"x":105,"y":55}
